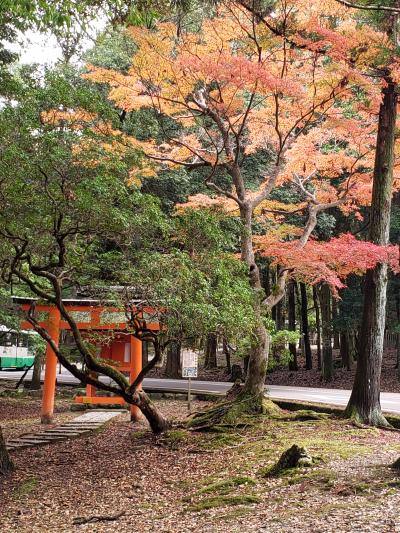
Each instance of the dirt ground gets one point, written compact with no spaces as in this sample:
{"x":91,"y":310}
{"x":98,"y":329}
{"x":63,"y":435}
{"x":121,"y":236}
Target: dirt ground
{"x":124,"y":479}
{"x":20,"y":416}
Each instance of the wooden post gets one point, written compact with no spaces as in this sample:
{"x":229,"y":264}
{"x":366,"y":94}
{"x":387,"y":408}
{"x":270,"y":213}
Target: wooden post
{"x":136,"y":367}
{"x":91,"y":389}
{"x":49,"y":386}
{"x":190,"y":395}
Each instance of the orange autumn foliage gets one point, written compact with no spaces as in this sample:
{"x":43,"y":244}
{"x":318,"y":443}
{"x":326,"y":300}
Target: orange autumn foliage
{"x":236,"y":87}
{"x":220,"y":68}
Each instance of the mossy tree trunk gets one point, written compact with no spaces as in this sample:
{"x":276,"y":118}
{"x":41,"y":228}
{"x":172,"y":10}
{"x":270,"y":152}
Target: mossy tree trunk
{"x":364,"y":404}
{"x":258,"y":358}
{"x":6,"y":465}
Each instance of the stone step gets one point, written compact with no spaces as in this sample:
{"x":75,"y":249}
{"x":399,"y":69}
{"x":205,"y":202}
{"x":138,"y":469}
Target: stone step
{"x":16,"y":446}
{"x":65,"y":433}
{"x":91,"y":424}
{"x":80,"y":426}
{"x":31,"y":440}
{"x":50,"y":437}
{"x":85,"y":422}
{"x":14,"y":443}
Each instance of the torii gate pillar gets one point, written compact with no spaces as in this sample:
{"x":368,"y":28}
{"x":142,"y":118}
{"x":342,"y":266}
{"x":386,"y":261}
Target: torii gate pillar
{"x":50,"y":376}
{"x":136,"y":367}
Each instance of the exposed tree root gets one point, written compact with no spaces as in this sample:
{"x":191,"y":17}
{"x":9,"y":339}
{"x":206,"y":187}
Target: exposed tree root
{"x":361,"y":420}
{"x":80,"y":520}
{"x":231,"y":413}
{"x":306,"y":414}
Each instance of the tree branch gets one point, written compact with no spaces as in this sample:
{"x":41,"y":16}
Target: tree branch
{"x":370,"y":7}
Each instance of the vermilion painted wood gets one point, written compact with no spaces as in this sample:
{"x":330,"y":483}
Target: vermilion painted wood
{"x":49,"y":386}
{"x":136,"y":367}
{"x":95,"y":317}
{"x":100,"y":400}
{"x":112,"y":351}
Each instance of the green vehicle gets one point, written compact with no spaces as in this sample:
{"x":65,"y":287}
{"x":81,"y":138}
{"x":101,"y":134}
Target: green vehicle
{"x":14,"y":350}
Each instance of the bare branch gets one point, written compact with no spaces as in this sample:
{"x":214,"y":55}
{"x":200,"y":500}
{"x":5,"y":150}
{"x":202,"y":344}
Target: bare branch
{"x":370,"y":7}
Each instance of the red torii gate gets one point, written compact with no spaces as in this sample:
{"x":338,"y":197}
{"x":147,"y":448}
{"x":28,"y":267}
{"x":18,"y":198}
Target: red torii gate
{"x":124,"y":350}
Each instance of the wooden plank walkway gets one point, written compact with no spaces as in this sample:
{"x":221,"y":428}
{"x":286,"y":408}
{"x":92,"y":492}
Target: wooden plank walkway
{"x":78,"y":426}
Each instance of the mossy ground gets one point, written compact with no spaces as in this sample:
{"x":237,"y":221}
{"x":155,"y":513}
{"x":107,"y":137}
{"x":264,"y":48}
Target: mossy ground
{"x":256,"y":442}
{"x":212,"y":480}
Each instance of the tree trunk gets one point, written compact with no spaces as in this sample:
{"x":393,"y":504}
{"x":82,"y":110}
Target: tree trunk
{"x":364,"y":404}
{"x":352,"y":346}
{"x":258,"y":359}
{"x":155,"y":419}
{"x":345,"y":353}
{"x":318,"y":328}
{"x":211,"y":352}
{"x":257,"y":366}
{"x":145,"y":353}
{"x":246,"y":360}
{"x":172,"y":366}
{"x":227,"y":353}
{"x":304,"y":323}
{"x":398,"y":355}
{"x":279,"y":321}
{"x":398,"y":333}
{"x":326,"y":315}
{"x":266,"y":280}
{"x":336,"y":334}
{"x":292,"y":324}
{"x":6,"y":465}
{"x":35,"y":383}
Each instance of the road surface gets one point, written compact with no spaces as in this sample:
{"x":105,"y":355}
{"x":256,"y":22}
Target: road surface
{"x":335,"y":397}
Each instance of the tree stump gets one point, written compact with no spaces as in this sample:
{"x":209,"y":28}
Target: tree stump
{"x":294,"y":457}
{"x":6,"y":465}
{"x":236,"y":373}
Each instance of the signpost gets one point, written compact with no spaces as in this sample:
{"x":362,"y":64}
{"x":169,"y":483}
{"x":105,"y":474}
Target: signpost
{"x":189,"y":370}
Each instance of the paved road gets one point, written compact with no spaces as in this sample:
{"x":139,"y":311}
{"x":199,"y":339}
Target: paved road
{"x":336,"y":397}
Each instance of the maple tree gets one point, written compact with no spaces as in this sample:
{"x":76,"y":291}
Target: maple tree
{"x":238,"y":87}
{"x":330,"y":261}
{"x":364,"y":403}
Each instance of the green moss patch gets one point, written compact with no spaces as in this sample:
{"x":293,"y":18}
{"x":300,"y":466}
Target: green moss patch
{"x":25,"y":488}
{"x":222,"y":501}
{"x":227,"y":484}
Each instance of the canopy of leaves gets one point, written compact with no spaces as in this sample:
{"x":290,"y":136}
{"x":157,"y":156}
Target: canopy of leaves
{"x":331,"y":261}
{"x":73,"y":215}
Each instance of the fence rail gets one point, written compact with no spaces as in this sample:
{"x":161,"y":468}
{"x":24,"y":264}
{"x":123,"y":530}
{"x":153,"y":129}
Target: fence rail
{"x":390,"y":340}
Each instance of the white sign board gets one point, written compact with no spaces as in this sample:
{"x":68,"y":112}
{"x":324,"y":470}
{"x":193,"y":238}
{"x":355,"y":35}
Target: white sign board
{"x":189,"y":364}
